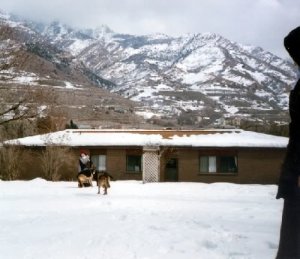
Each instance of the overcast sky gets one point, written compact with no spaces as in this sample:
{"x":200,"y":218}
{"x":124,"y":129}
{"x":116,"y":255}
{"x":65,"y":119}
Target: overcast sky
{"x":261,"y":23}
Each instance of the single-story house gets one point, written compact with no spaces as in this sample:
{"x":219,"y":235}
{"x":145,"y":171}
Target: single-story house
{"x":235,"y":156}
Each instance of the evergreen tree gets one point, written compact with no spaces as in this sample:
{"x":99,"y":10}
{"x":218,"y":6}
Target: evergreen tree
{"x":72,"y":125}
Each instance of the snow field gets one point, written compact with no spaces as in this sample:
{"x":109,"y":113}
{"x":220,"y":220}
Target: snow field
{"x":41,"y":219}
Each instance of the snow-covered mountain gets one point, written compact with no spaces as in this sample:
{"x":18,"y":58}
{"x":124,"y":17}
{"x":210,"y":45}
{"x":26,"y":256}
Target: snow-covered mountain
{"x":195,"y":79}
{"x":54,"y":82}
{"x":26,"y":53}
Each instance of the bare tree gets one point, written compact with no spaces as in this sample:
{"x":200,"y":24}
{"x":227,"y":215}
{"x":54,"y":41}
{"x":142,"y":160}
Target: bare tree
{"x":53,"y":160}
{"x":17,"y":129}
{"x":35,"y":106}
{"x":10,"y":158}
{"x":55,"y":156}
{"x":16,"y":109}
{"x":17,"y":113}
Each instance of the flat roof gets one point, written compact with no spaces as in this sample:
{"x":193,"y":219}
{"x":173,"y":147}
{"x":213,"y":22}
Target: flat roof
{"x":143,"y":138}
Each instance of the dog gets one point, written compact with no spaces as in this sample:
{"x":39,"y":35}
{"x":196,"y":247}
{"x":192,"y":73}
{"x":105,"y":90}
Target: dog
{"x":85,"y":178}
{"x":103,"y":179}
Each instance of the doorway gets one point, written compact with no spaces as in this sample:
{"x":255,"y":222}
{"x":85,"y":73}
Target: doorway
{"x":171,"y":170}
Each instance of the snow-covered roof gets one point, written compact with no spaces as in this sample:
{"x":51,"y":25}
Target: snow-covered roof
{"x":191,"y":138}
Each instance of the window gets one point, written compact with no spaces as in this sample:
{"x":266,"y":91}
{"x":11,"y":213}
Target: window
{"x":228,"y":164}
{"x":99,"y":161}
{"x":208,"y":164}
{"x":218,"y":164}
{"x":134,"y":163}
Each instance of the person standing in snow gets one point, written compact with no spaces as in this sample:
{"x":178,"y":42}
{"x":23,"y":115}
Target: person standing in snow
{"x":289,"y":181}
{"x":84,"y":162}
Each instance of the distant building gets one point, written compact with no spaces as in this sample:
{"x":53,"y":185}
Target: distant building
{"x":208,"y":156}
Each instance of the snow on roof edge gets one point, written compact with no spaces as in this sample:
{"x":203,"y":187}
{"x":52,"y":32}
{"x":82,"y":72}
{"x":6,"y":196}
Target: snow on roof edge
{"x":196,"y":138}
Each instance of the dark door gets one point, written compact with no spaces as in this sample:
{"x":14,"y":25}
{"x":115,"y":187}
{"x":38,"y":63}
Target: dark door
{"x":171,"y":170}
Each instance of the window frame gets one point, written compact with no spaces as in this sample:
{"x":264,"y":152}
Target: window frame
{"x":219,"y":155}
{"x":98,"y":163}
{"x":132,"y":171}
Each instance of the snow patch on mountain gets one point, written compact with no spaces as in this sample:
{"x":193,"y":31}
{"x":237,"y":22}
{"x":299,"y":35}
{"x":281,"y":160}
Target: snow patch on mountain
{"x":197,"y":76}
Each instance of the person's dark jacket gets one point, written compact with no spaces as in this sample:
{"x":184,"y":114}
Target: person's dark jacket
{"x":291,"y":43}
{"x":288,"y":187}
{"x":288,"y":182}
{"x":83,"y":166}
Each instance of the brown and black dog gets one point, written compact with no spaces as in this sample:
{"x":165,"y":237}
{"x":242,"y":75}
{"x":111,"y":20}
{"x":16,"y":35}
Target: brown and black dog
{"x":103,"y":179}
{"x":85,"y":178}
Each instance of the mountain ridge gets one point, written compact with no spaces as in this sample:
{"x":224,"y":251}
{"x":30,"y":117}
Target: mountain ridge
{"x":198,"y":79}
{"x":54,"y":83}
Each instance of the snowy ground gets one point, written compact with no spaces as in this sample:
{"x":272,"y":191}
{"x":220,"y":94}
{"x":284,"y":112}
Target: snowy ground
{"x":40,"y":219}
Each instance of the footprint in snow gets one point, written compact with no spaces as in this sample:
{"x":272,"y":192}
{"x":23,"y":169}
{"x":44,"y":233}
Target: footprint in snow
{"x":209,"y":244}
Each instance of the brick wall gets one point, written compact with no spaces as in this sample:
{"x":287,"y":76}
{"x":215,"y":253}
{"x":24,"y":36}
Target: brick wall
{"x":260,"y":166}
{"x":254,"y":166}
